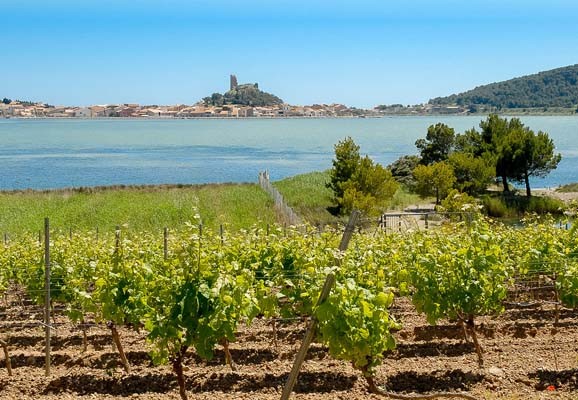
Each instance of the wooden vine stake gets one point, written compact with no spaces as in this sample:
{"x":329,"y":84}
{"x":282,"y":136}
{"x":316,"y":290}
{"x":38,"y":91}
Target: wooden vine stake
{"x":47,"y":326}
{"x":166,"y":243}
{"x":310,"y":333}
{"x":118,"y":344}
{"x":6,"y":356}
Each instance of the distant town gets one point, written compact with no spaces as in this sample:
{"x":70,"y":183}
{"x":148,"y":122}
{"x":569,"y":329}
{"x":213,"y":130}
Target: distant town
{"x":241,"y":101}
{"x":18,"y":109}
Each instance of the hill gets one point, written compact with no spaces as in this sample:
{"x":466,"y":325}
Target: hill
{"x":554,"y":88}
{"x":246,"y":95}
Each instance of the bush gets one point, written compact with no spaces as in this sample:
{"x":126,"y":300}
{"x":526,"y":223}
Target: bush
{"x":457,"y":202}
{"x":512,"y":206}
{"x":545,"y":205}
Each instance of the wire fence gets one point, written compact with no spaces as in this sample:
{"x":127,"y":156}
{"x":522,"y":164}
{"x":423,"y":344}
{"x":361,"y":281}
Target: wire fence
{"x":280,"y":204}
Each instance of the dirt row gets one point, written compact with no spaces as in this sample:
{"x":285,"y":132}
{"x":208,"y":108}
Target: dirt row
{"x":526,"y":356}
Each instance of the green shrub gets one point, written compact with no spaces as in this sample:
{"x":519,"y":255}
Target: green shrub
{"x":545,"y":205}
{"x":495,"y":207}
{"x":512,"y":206}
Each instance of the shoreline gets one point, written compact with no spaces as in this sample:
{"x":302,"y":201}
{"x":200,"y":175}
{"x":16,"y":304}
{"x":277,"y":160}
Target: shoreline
{"x":508,"y":114}
{"x":120,"y":187}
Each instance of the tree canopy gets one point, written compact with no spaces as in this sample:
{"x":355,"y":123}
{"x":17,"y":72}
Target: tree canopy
{"x":553,"y":88}
{"x":402,"y":169}
{"x":246,"y":94}
{"x":358,"y":182}
{"x":504,"y":149}
{"x":518,"y":151}
{"x":436,"y":180}
{"x":437,"y":144}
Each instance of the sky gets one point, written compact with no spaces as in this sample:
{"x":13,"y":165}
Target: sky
{"x":361,"y":53}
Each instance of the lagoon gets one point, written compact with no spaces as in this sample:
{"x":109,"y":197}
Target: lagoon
{"x":48,"y":154}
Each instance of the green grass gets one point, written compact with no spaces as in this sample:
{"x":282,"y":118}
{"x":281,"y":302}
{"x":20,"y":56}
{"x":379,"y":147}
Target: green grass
{"x":309,"y":196}
{"x":503,"y":206}
{"x":146,"y":208}
{"x":403,"y":198}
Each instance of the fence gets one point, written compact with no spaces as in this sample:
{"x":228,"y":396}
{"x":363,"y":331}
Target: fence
{"x":401,"y":222}
{"x":288,"y":214}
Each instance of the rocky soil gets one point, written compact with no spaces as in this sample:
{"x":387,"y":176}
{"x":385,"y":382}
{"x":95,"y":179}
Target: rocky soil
{"x":527,"y":356}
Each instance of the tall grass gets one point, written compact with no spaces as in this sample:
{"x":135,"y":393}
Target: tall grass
{"x":138,"y":208}
{"x":514,"y":206}
{"x":309,"y":196}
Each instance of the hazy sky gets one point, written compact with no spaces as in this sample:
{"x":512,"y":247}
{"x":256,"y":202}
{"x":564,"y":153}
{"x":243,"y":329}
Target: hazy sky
{"x":361,"y":53}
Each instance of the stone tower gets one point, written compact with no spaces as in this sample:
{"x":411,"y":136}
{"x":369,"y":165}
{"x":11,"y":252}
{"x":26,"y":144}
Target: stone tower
{"x":234,"y":83}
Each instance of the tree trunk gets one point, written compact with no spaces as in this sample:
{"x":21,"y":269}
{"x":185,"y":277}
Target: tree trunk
{"x":505,"y":183}
{"x":527,"y":181}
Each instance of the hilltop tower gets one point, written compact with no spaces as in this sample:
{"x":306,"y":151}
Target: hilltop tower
{"x":234,"y":83}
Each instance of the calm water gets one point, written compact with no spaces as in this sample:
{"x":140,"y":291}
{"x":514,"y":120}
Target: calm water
{"x":42,"y":154}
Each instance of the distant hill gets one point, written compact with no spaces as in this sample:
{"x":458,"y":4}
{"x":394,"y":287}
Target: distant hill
{"x":554,"y":88}
{"x":246,"y":95}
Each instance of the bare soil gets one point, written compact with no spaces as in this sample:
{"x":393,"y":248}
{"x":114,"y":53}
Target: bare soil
{"x":526,"y":356}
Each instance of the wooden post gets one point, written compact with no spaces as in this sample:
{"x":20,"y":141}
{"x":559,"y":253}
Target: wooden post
{"x":5,"y":239}
{"x":349,"y":228}
{"x":200,"y":247}
{"x":39,"y":237}
{"x":166,"y":243}
{"x":47,"y":295}
{"x":97,"y":233}
{"x":399,"y":222}
{"x":4,"y":346}
{"x":70,"y":233}
{"x":310,"y":333}
{"x":222,"y":234}
{"x":117,"y":239}
{"x":426,"y":221}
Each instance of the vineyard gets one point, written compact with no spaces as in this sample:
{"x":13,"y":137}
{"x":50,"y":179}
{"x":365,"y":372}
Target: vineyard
{"x":471,"y":309}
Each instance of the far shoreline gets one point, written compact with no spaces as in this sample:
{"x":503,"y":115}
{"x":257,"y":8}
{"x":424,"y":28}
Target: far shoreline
{"x":481,"y":115}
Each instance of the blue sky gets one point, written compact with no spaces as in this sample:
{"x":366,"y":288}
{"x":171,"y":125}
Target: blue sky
{"x":360,"y":53}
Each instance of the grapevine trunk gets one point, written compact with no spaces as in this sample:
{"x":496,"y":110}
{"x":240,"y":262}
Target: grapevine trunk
{"x":178,"y":369}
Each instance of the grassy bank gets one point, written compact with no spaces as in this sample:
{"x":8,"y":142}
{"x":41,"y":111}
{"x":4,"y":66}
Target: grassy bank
{"x":309,"y":196}
{"x":139,"y":208}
